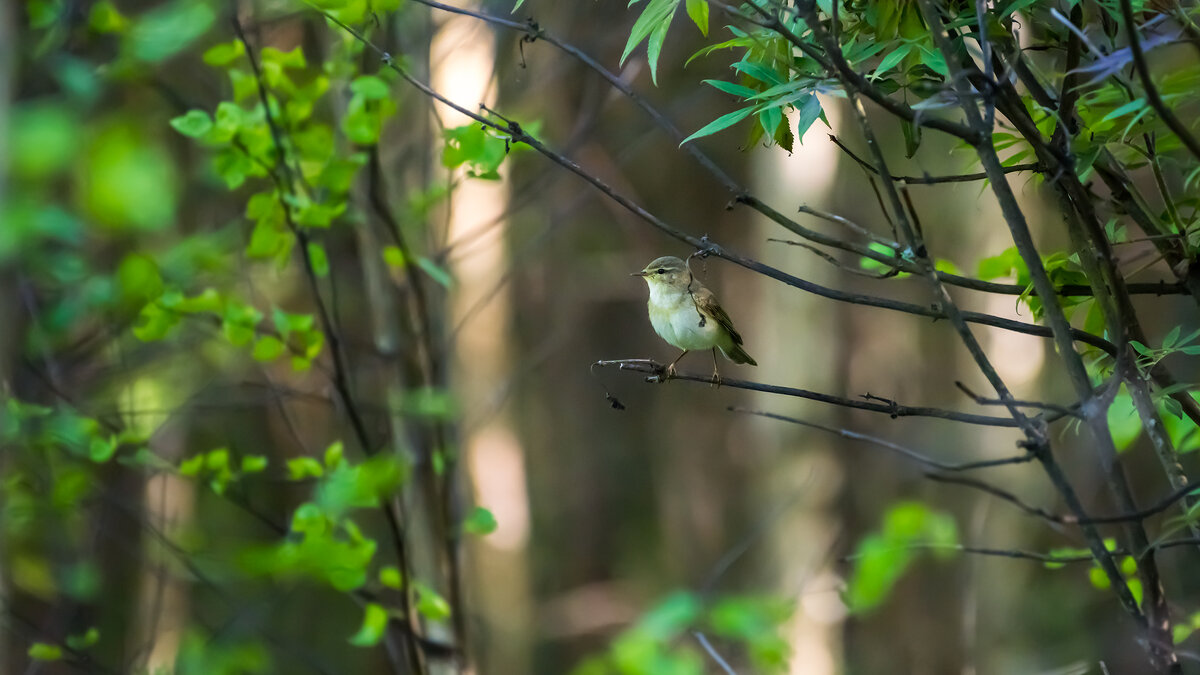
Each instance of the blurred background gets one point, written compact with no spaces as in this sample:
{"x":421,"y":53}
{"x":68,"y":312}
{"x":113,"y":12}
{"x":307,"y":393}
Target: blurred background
{"x":600,"y":513}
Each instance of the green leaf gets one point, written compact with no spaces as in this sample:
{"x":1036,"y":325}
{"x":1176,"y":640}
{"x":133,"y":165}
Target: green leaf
{"x":41,"y":651}
{"x":892,"y":60}
{"x":698,"y":12}
{"x":759,"y":71}
{"x":770,"y":120}
{"x":882,"y":557}
{"x":1001,"y":265}
{"x":391,"y":577}
{"x":721,"y":123}
{"x":43,"y":139}
{"x":431,"y":605}
{"x":947,"y":266}
{"x":1134,"y":105}
{"x":370,"y":87}
{"x":320,"y":262}
{"x":654,"y":48}
{"x":194,"y":123}
{"x":362,"y":485}
{"x":138,"y":279}
{"x":168,"y":29}
{"x":480,"y":521}
{"x":293,"y":59}
{"x":731,"y":88}
{"x":268,"y":348}
{"x":1123,"y":420}
{"x":101,"y":450}
{"x":1015,"y":6}
{"x":154,"y":323}
{"x":106,"y":18}
{"x":671,"y":616}
{"x":935,"y":61}
{"x":223,"y":54}
{"x":1171,"y":337}
{"x":657,"y":12}
{"x":873,"y":265}
{"x":192,"y":466}
{"x":87,"y":639}
{"x":434,"y":271}
{"x":125,"y":180}
{"x":374,"y":624}
{"x":393,"y":256}
{"x":334,"y":455}
{"x":300,"y":468}
{"x":810,"y":112}
{"x":254,"y":464}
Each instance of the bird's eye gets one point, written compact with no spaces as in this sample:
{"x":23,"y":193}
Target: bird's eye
{"x":661,"y":271}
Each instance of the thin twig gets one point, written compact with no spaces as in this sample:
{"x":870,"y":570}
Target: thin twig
{"x":888,"y":445}
{"x":712,"y":652}
{"x":1152,"y":96}
{"x":658,"y":373}
{"x":927,"y":179}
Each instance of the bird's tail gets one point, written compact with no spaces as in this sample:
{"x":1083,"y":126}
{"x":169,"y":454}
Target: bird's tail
{"x":738,"y":355}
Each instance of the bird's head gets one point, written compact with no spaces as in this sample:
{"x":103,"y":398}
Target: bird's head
{"x":666,"y":272}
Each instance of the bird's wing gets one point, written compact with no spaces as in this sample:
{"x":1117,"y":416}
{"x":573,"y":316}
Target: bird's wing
{"x":707,"y":305}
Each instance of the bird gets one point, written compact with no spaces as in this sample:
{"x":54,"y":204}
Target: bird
{"x":688,"y":316}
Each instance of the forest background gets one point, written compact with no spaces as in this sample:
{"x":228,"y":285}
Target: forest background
{"x":319,"y":350}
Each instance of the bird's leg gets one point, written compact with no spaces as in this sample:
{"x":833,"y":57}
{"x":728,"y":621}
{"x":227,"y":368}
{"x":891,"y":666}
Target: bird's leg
{"x":671,"y":368}
{"x":716,"y":378}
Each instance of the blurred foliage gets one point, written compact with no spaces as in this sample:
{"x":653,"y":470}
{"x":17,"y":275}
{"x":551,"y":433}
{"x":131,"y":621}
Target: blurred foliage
{"x":882,"y":557}
{"x":1114,"y":128}
{"x":665,"y":641}
{"x":178,"y":204}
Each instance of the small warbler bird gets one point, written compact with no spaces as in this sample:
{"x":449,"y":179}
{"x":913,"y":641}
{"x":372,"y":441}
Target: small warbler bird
{"x":688,"y":316}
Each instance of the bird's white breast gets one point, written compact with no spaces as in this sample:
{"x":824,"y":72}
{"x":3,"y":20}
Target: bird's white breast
{"x":676,"y":320}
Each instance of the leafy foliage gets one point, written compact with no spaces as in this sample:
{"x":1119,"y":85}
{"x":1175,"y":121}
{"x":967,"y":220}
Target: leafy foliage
{"x":882,"y":557}
{"x":659,"y":643}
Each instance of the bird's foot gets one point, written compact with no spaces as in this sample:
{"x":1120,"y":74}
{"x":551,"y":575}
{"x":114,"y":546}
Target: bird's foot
{"x":716,"y":380}
{"x":668,"y":374}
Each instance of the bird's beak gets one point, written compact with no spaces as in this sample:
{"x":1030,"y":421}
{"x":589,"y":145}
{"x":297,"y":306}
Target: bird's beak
{"x":639,"y":274}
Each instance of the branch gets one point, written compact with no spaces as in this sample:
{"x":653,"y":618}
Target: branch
{"x":893,"y":410}
{"x":341,"y":378}
{"x":1152,"y":95}
{"x":927,"y":179}
{"x":1059,"y":410}
{"x":843,"y":70}
{"x":1019,"y":229}
{"x":1161,"y":505}
{"x":894,"y":447}
{"x":517,"y":135}
{"x":1004,"y":495}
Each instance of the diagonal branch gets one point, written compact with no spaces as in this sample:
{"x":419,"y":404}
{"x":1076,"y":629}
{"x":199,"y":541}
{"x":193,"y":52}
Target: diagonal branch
{"x":894,"y":447}
{"x":1152,"y":96}
{"x":657,"y":372}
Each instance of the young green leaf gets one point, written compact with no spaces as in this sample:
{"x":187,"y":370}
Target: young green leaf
{"x":480,"y":521}
{"x":268,"y":348}
{"x":374,"y":624}
{"x":722,"y":122}
{"x":892,"y":60}
{"x":657,"y":13}
{"x":698,"y":12}
{"x":193,"y":123}
{"x":731,"y":88}
{"x":41,"y":651}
